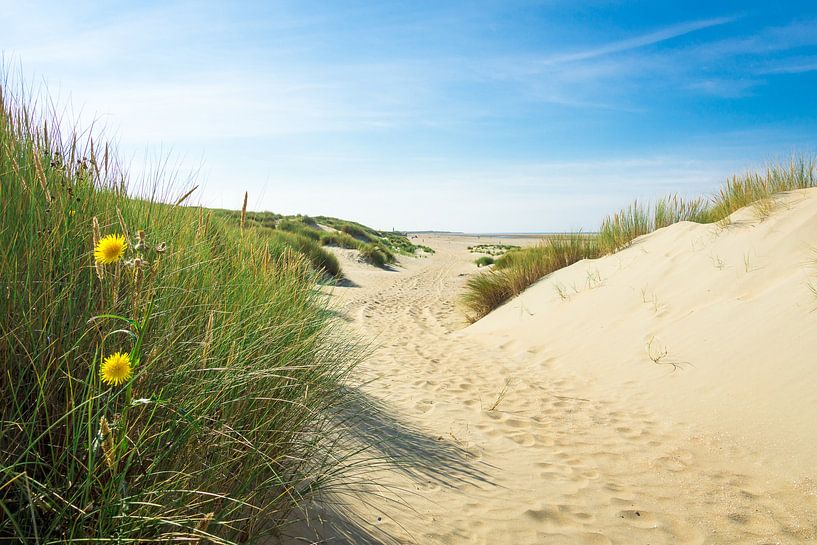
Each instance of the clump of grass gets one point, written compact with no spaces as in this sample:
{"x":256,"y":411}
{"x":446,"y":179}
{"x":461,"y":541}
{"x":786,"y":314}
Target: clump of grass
{"x":217,"y":424}
{"x":484,"y":261}
{"x":621,"y":228}
{"x":756,"y":189}
{"x":321,"y":260}
{"x":299,"y":227}
{"x":487,"y":291}
{"x":340,"y":240}
{"x":760,"y":187}
{"x":376,"y":255}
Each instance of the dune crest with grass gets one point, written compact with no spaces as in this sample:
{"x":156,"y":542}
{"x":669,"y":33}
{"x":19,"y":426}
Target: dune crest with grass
{"x":711,"y":325}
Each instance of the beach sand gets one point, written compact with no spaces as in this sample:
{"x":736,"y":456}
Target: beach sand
{"x":666,"y":394}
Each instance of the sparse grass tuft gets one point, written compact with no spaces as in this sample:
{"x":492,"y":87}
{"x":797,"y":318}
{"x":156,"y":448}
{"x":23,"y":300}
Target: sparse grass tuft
{"x":484,"y":261}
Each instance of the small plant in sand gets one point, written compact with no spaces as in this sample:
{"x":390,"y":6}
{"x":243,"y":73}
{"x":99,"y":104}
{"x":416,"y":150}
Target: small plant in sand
{"x":594,"y":279}
{"x":764,"y":207}
{"x":719,"y":263}
{"x":500,"y":397}
{"x":659,"y":354}
{"x":747,"y":267}
{"x":650,"y":298}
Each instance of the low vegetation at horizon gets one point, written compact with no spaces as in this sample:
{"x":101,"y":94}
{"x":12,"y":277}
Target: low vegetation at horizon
{"x":518,"y":269}
{"x":493,"y":250}
{"x":309,"y":234}
{"x":167,"y":375}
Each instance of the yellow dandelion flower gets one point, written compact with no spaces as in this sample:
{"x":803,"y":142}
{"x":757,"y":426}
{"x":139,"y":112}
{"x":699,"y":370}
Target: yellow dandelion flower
{"x":110,"y":249}
{"x":115,"y":369}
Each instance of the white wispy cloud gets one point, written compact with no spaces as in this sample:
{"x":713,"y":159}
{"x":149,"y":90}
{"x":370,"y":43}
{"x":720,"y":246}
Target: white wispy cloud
{"x":636,"y":42}
{"x":793,"y":67}
{"x":292,"y":104}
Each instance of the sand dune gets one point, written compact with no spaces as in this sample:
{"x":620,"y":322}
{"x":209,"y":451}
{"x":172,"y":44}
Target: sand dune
{"x":707,"y":325}
{"x":662,"y":395}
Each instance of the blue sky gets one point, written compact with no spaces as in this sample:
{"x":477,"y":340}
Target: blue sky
{"x":473,"y":116}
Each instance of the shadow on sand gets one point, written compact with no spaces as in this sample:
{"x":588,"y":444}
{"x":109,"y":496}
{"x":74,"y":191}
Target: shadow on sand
{"x":386,"y":442}
{"x":412,"y":451}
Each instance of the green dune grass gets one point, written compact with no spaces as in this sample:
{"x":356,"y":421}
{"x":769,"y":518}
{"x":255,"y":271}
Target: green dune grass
{"x":224,"y":425}
{"x":378,"y":248}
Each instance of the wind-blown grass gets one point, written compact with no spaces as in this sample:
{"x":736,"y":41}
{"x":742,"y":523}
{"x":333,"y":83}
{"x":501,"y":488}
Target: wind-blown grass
{"x":621,"y":228}
{"x":222,"y":429}
{"x":753,"y":187}
{"x":513,"y":272}
{"x":321,"y":260}
{"x":518,"y":269}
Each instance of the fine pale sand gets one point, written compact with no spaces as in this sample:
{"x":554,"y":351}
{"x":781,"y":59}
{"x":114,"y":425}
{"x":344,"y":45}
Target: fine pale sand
{"x":666,"y":394}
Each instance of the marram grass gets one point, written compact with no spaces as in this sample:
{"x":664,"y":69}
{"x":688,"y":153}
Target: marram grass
{"x":164,"y":376}
{"x":518,"y":269}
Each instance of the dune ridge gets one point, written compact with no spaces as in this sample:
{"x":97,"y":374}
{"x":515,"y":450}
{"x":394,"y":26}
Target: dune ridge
{"x":710,"y":324}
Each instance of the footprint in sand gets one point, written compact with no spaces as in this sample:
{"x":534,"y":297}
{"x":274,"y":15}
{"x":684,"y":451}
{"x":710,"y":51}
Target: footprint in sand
{"x":639,"y":518}
{"x":424,"y":406}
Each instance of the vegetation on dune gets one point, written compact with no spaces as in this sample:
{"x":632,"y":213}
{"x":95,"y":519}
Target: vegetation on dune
{"x":376,"y":247}
{"x":339,"y":240}
{"x":376,"y":255}
{"x":321,"y":260}
{"x":299,"y":228}
{"x":390,"y":241}
{"x":166,"y":376}
{"x":295,"y":232}
{"x":486,"y":291}
{"x":484,"y":261}
{"x":754,"y":188}
{"x":517,"y":269}
{"x":621,"y":228}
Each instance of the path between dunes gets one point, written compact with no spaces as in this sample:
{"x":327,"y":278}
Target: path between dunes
{"x":503,"y":445}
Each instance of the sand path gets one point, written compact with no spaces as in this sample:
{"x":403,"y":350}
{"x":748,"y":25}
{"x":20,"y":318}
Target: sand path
{"x":501,"y":448}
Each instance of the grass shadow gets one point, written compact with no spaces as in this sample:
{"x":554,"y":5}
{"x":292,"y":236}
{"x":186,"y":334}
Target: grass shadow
{"x":414,"y":452}
{"x":346,"y":283}
{"x":386,"y":442}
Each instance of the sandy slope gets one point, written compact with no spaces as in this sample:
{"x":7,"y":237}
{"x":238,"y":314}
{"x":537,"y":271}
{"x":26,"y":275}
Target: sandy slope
{"x":549,"y":422}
